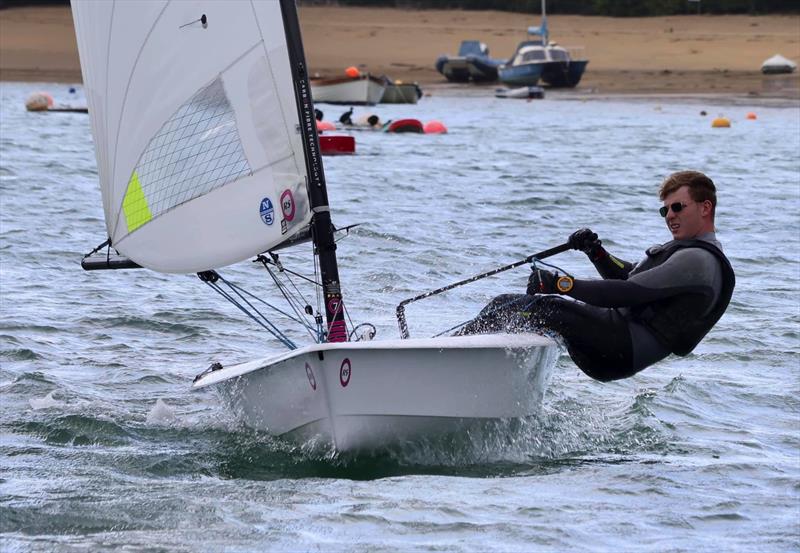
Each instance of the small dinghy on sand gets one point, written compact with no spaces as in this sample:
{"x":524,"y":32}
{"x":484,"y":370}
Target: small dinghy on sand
{"x":778,"y":64}
{"x":232,"y":92}
{"x":522,"y":92}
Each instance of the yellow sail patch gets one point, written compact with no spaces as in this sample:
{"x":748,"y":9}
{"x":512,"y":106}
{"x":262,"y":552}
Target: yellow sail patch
{"x":135,"y":204}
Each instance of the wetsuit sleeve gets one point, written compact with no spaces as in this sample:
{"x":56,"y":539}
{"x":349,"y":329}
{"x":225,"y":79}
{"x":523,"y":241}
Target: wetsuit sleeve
{"x":692,"y":270}
{"x":610,"y":267}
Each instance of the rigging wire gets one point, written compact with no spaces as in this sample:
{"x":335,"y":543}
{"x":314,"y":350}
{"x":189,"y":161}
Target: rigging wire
{"x":281,"y":311}
{"x":282,"y":288}
{"x":211,"y":278}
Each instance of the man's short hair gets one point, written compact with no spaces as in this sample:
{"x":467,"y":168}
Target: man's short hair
{"x":701,"y":188}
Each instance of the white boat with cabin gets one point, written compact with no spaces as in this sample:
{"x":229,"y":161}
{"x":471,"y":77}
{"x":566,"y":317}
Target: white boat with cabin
{"x":203,"y":165}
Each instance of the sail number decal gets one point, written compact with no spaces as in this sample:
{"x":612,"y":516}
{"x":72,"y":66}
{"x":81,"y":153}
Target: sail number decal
{"x":310,"y":375}
{"x":266,"y":211}
{"x":287,"y":205}
{"x":344,"y":373}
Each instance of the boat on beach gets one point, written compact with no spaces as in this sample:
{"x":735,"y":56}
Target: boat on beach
{"x":362,"y":90}
{"x":538,"y":59}
{"x":401,"y":93}
{"x":224,"y":168}
{"x":777,"y":64}
{"x":471,"y":64}
{"x":522,"y":92}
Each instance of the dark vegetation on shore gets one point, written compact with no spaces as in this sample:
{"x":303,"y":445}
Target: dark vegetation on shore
{"x":612,"y":8}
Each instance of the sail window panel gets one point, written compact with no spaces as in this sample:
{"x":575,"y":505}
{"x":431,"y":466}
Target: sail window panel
{"x":196,"y":151}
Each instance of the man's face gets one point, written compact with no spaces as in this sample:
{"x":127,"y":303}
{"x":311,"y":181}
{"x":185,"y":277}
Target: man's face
{"x":689,"y":221}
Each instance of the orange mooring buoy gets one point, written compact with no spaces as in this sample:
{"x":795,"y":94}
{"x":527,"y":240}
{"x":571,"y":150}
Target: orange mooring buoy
{"x":435,"y":127}
{"x":751,"y":115}
{"x":352,"y":71}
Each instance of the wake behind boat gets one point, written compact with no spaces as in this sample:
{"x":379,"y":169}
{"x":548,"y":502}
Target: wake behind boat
{"x":226,"y":167}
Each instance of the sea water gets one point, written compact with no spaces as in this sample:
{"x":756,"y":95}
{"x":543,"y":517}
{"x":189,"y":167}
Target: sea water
{"x":104,"y":446}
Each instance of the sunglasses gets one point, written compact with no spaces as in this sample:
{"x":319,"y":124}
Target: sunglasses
{"x":676,"y":208}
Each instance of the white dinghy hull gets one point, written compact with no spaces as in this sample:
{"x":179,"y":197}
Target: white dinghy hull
{"x":358,"y":396}
{"x":366,"y":90}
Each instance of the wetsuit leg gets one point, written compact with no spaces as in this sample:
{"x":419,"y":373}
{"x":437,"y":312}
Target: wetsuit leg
{"x":598,"y":339}
{"x":505,"y":313}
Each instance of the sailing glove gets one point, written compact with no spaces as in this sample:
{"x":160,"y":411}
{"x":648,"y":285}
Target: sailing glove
{"x":587,"y":241}
{"x":542,"y":281}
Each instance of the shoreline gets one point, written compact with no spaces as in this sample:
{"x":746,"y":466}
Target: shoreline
{"x":657,"y":57}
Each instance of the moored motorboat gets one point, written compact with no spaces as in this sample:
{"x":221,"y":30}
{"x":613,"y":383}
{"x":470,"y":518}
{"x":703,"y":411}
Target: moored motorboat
{"x":471,"y":64}
{"x":540,"y":59}
{"x":364,"y":89}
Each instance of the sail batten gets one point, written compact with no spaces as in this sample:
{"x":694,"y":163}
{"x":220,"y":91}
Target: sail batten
{"x":195,"y":128}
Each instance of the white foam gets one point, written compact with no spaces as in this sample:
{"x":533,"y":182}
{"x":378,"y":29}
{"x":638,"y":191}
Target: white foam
{"x":161,"y":414}
{"x":46,"y":402}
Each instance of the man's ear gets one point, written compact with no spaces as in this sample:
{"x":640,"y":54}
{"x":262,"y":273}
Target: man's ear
{"x":707,"y":208}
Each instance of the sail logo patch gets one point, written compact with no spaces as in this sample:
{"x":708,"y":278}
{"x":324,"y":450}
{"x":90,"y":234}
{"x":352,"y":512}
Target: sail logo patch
{"x":344,"y":373}
{"x":310,"y":375}
{"x":266,"y":211}
{"x":287,"y":205}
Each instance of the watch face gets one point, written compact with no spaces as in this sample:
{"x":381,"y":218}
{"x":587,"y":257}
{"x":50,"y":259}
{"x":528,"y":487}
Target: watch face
{"x":564,"y":284}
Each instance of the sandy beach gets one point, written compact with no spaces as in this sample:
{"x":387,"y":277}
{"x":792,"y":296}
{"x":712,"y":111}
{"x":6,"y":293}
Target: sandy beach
{"x":665,"y":55}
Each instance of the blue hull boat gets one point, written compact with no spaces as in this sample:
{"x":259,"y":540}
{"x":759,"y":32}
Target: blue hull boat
{"x":521,"y":75}
{"x":471,"y":64}
{"x":538,"y":58}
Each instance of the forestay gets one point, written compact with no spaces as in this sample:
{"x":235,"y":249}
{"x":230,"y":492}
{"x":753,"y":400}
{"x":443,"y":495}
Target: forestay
{"x":196,"y":131}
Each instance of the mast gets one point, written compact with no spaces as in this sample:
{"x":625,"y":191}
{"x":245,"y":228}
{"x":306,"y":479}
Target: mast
{"x":545,"y":32}
{"x":321,"y":226}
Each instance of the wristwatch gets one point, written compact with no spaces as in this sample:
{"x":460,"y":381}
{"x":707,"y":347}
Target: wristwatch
{"x":564,"y":284}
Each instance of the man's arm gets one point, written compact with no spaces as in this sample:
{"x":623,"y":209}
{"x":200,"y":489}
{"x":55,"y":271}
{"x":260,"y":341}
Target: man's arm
{"x":691,"y":270}
{"x":608,"y":266}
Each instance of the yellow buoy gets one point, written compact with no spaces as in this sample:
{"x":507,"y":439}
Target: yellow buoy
{"x":751,"y":115}
{"x":721,"y":122}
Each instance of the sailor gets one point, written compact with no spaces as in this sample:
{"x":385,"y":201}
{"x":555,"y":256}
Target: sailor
{"x":637,"y":314}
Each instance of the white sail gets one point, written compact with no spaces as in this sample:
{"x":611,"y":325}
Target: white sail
{"x":195,"y":126}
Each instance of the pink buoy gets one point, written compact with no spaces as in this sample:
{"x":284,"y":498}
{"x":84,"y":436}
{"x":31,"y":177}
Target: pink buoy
{"x":325,"y":126}
{"x":435,"y":127}
{"x":39,"y":101}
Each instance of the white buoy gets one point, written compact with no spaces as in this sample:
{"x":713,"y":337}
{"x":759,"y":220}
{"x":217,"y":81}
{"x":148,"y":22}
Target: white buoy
{"x":45,"y":402}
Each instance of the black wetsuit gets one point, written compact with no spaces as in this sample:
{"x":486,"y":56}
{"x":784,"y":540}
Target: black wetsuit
{"x":637,"y":315}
